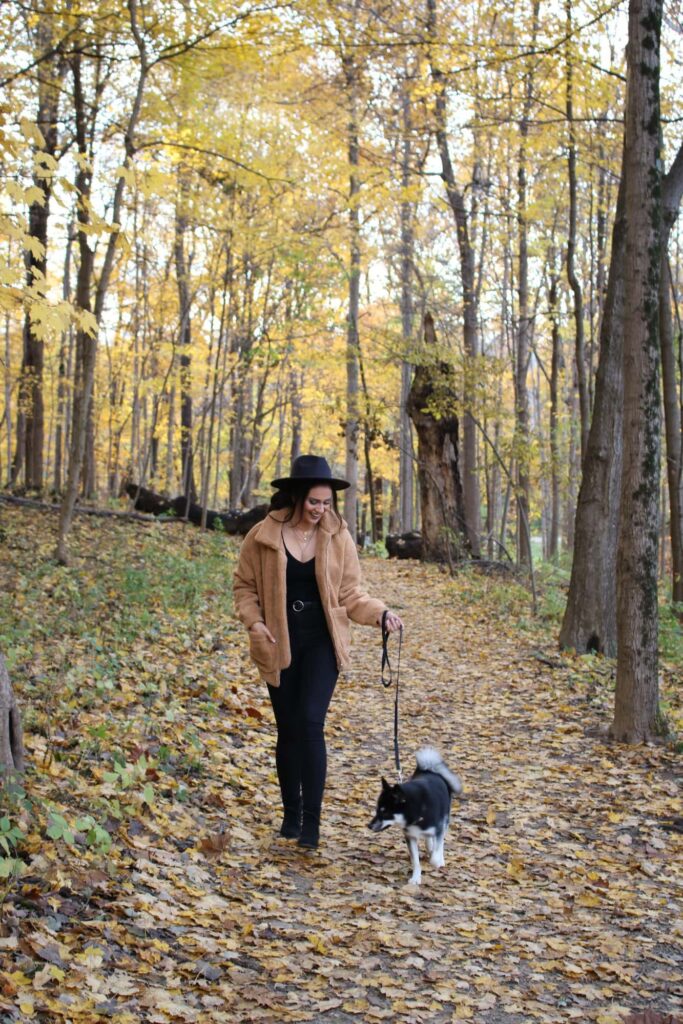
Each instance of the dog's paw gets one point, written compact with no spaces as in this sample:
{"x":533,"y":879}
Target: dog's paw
{"x":437,"y":861}
{"x":414,"y":880}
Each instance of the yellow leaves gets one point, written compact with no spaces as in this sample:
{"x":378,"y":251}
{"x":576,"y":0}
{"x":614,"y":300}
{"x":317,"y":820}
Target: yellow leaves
{"x":48,"y":974}
{"x":25,"y":194}
{"x":317,"y":944}
{"x":31,"y":132}
{"x":127,"y":173}
{"x":91,"y":957}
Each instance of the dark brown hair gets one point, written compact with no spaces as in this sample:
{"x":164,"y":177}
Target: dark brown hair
{"x":293,"y":497}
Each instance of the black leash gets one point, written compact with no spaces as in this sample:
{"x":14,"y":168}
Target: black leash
{"x":386,"y":683}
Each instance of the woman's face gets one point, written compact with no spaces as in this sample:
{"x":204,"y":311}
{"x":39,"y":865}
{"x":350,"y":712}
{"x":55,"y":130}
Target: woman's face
{"x":316,"y":503}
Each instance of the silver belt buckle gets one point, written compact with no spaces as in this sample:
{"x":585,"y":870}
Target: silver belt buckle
{"x":297,"y":606}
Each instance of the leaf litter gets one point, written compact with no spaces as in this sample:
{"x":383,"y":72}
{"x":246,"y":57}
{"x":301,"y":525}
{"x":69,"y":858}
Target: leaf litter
{"x":562,"y":891}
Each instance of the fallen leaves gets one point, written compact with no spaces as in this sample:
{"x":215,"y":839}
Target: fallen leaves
{"x":561,"y":896}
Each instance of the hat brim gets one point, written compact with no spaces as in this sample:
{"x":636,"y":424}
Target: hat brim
{"x":286,"y":481}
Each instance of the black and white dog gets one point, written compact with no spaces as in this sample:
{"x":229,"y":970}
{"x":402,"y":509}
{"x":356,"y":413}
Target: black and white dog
{"x":422,"y":806}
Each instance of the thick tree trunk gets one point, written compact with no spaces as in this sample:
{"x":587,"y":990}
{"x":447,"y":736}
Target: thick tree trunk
{"x":636,"y":704}
{"x":444,"y":532}
{"x":11,"y":735}
{"x":590,"y":622}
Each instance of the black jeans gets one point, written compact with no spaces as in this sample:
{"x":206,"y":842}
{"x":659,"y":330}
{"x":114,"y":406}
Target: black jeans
{"x":300,"y":705}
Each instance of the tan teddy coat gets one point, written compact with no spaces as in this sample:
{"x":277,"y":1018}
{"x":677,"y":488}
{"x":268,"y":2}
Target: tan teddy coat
{"x":260,"y":591}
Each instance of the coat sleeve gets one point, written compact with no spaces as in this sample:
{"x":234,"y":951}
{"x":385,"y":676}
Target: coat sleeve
{"x":360,"y":607}
{"x":244,"y":588}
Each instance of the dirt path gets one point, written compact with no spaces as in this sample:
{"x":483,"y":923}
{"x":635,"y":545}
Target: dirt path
{"x":561,"y":895}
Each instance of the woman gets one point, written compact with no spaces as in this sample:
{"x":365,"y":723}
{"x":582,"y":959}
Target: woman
{"x":296,"y":586}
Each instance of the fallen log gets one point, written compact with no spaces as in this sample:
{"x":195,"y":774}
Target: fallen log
{"x":233,"y":521}
{"x":84,"y":510}
{"x":11,"y":734}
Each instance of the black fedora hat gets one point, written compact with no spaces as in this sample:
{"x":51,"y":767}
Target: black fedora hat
{"x":312,"y":469}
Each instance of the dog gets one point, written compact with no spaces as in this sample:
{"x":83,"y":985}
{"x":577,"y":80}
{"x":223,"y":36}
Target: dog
{"x":422,"y":806}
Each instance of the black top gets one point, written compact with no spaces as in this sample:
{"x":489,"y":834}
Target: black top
{"x":301,"y":582}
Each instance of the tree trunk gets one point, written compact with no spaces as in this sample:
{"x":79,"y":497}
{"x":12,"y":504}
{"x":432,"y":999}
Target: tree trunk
{"x":672,"y":421}
{"x":672,"y":193}
{"x":574,"y":282}
{"x":556,"y":361}
{"x":11,"y":735}
{"x":636,"y":704}
{"x":352,"y":425}
{"x":441,"y":496}
{"x":456,"y":200}
{"x":86,"y":337}
{"x":522,"y":445}
{"x":406,"y":469}
{"x":590,"y":622}
{"x":182,"y":267}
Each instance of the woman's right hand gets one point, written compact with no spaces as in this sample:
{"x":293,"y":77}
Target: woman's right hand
{"x":260,"y":627}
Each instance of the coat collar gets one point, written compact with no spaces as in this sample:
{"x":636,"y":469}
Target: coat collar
{"x":270,"y":530}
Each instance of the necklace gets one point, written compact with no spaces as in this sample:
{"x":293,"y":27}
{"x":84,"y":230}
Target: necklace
{"x":303,"y":539}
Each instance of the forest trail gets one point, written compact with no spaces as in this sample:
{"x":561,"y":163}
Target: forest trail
{"x":561,"y":895}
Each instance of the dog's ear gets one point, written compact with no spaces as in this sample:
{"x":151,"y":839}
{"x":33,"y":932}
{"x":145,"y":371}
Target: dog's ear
{"x":385,"y":784}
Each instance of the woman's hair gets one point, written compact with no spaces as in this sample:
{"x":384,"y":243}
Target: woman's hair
{"x":293,"y":497}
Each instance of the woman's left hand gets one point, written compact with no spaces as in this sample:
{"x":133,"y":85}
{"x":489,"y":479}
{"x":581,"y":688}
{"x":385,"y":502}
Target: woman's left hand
{"x":392,"y":622}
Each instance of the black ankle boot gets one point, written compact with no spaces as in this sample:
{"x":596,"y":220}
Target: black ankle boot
{"x":291,"y":823}
{"x":310,"y":831}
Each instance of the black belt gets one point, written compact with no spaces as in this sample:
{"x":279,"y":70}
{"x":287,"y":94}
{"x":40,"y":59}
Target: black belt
{"x":302,"y":606}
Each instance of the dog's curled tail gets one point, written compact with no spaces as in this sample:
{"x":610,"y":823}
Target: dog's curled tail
{"x":429,"y":760}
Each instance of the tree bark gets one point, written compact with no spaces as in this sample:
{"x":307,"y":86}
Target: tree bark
{"x":352,"y":424}
{"x":522,"y":414}
{"x":636,"y":704}
{"x":182,"y":267}
{"x":574,"y":283}
{"x":406,"y":469}
{"x":430,"y":404}
{"x":31,"y":428}
{"x":589,"y":622}
{"x":556,"y":361}
{"x":86,"y":337}
{"x":456,"y":200}
{"x":672,"y":421}
{"x":11,"y":735}
{"x":672,"y":192}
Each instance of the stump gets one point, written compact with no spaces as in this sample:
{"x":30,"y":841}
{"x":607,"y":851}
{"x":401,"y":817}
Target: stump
{"x":11,"y":735}
{"x":404,"y":545}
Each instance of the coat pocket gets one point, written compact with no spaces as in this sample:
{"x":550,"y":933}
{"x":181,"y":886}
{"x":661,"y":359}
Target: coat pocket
{"x":263,"y":652}
{"x":342,"y":632}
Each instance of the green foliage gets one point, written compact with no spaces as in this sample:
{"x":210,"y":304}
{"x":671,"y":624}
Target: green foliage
{"x":671,"y":632}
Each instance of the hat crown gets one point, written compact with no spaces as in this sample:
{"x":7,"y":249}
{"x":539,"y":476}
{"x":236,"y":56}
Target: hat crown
{"x":314,"y":468}
{"x":311,"y":467}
